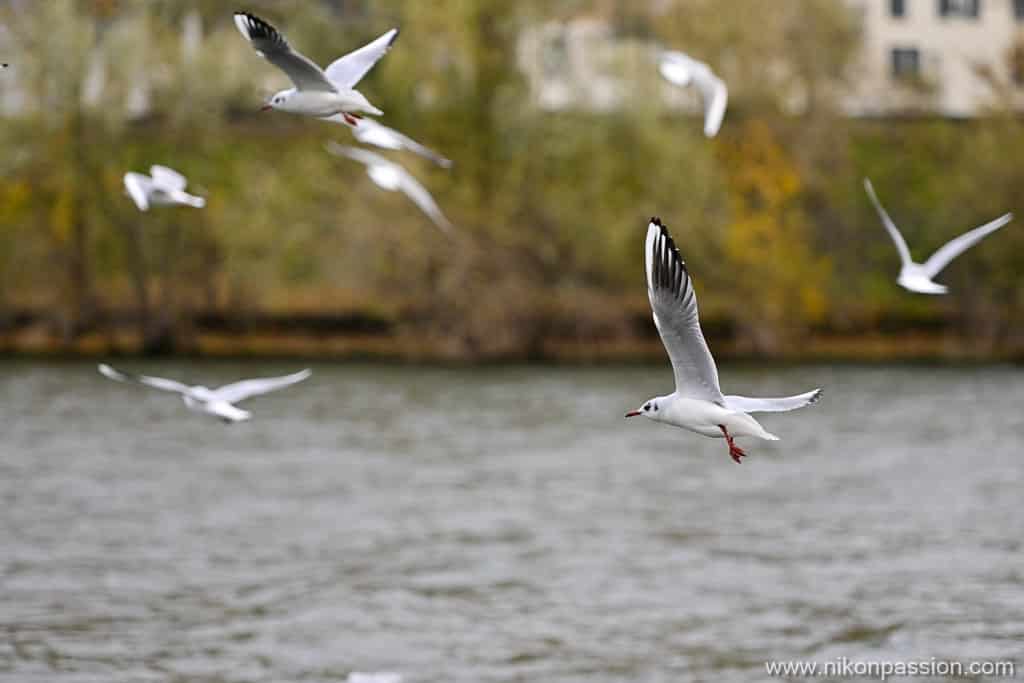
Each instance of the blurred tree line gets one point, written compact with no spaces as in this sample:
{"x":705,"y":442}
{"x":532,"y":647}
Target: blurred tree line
{"x":550,"y":206}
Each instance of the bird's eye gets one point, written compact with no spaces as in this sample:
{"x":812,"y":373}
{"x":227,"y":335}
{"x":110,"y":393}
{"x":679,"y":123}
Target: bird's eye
{"x":647,"y":407}
{"x":655,"y":407}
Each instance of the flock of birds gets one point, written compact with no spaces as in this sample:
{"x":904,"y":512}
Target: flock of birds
{"x":697,"y":404}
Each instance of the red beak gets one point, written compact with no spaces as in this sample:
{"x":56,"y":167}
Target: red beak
{"x":266,"y":107}
{"x":633,"y":413}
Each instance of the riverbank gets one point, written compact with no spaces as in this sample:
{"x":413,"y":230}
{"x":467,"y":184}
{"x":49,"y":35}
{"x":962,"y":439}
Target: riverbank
{"x":362,"y":335}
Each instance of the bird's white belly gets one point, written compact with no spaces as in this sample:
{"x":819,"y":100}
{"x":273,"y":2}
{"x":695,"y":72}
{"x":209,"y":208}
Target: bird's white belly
{"x":323,"y":104}
{"x":704,"y":417}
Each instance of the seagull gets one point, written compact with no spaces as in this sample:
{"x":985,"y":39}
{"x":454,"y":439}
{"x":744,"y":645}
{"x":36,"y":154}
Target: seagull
{"x":163,"y":187}
{"x":370,"y":132}
{"x":359,"y":677}
{"x":682,"y":70}
{"x":390,"y":176}
{"x":216,"y":402}
{"x":697,"y":403}
{"x":317,"y":92}
{"x":917,"y":277}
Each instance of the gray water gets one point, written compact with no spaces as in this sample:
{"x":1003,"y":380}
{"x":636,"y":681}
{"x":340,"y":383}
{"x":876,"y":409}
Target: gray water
{"x":502,"y":525}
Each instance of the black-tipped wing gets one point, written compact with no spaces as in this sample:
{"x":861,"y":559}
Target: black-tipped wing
{"x":269,"y":43}
{"x":154,"y":382}
{"x":674,"y":304}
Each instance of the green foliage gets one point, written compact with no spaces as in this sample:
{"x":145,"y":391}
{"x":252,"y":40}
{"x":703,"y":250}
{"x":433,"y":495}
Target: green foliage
{"x":550,"y":208}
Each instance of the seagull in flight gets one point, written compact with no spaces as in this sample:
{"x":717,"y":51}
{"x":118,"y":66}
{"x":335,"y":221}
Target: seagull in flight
{"x":317,"y":92}
{"x":682,"y":70}
{"x":697,"y":404}
{"x":390,"y":176}
{"x":370,"y":132}
{"x":918,"y":277}
{"x":219,"y":403}
{"x":163,"y":187}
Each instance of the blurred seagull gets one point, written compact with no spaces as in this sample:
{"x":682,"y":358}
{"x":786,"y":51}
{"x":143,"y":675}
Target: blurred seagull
{"x":679,"y":69}
{"x":359,"y":677}
{"x":370,"y":132}
{"x":317,"y":92}
{"x":216,"y":402}
{"x":163,"y":187}
{"x":917,"y":277}
{"x":697,"y":403}
{"x":390,"y":176}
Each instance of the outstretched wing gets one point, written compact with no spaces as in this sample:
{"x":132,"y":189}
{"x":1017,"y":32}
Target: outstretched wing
{"x":269,"y":43}
{"x":345,"y":72}
{"x":167,"y":178}
{"x":954,"y":248}
{"x":370,"y":132}
{"x":674,"y":304}
{"x":415,"y":191}
{"x":138,"y":187}
{"x":239,"y":391}
{"x":716,"y":98}
{"x":894,"y":233}
{"x":154,"y":382}
{"x":363,"y":156}
{"x":744,"y":404}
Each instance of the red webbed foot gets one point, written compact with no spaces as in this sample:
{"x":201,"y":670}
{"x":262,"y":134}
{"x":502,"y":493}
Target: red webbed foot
{"x":735,"y":452}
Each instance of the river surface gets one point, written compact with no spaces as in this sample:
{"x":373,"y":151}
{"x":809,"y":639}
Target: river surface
{"x":502,"y":524}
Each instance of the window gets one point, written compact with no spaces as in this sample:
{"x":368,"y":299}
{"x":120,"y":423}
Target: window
{"x":959,"y":8}
{"x":898,"y":8}
{"x":1018,"y":9}
{"x":1017,"y":65}
{"x":906,"y":63}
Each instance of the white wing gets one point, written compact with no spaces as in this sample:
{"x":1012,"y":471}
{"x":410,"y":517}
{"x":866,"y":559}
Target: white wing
{"x":347,"y":71}
{"x":269,"y":43}
{"x":363,"y":156}
{"x":674,"y":304}
{"x":894,"y":233}
{"x":167,"y":178}
{"x":239,"y":391}
{"x":716,"y":97}
{"x":419,"y":195}
{"x":155,"y":382}
{"x":954,"y":248}
{"x":370,"y":132}
{"x":138,"y":187}
{"x":744,"y":404}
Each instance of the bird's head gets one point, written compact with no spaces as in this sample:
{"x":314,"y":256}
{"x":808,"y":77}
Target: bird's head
{"x":651,"y":409}
{"x":277,"y":100}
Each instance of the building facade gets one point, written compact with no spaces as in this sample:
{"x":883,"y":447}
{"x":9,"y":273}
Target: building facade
{"x":953,"y":58}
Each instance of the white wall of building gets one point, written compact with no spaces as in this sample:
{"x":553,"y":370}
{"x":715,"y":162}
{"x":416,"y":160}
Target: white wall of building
{"x":951,"y":49}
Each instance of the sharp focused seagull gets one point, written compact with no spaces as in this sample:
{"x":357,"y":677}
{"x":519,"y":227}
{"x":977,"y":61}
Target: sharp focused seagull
{"x":917,"y":277}
{"x":216,"y":402}
{"x":317,"y":92}
{"x":372,"y":133}
{"x":163,"y":187}
{"x":682,"y":70}
{"x":697,"y":403}
{"x":390,"y":176}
